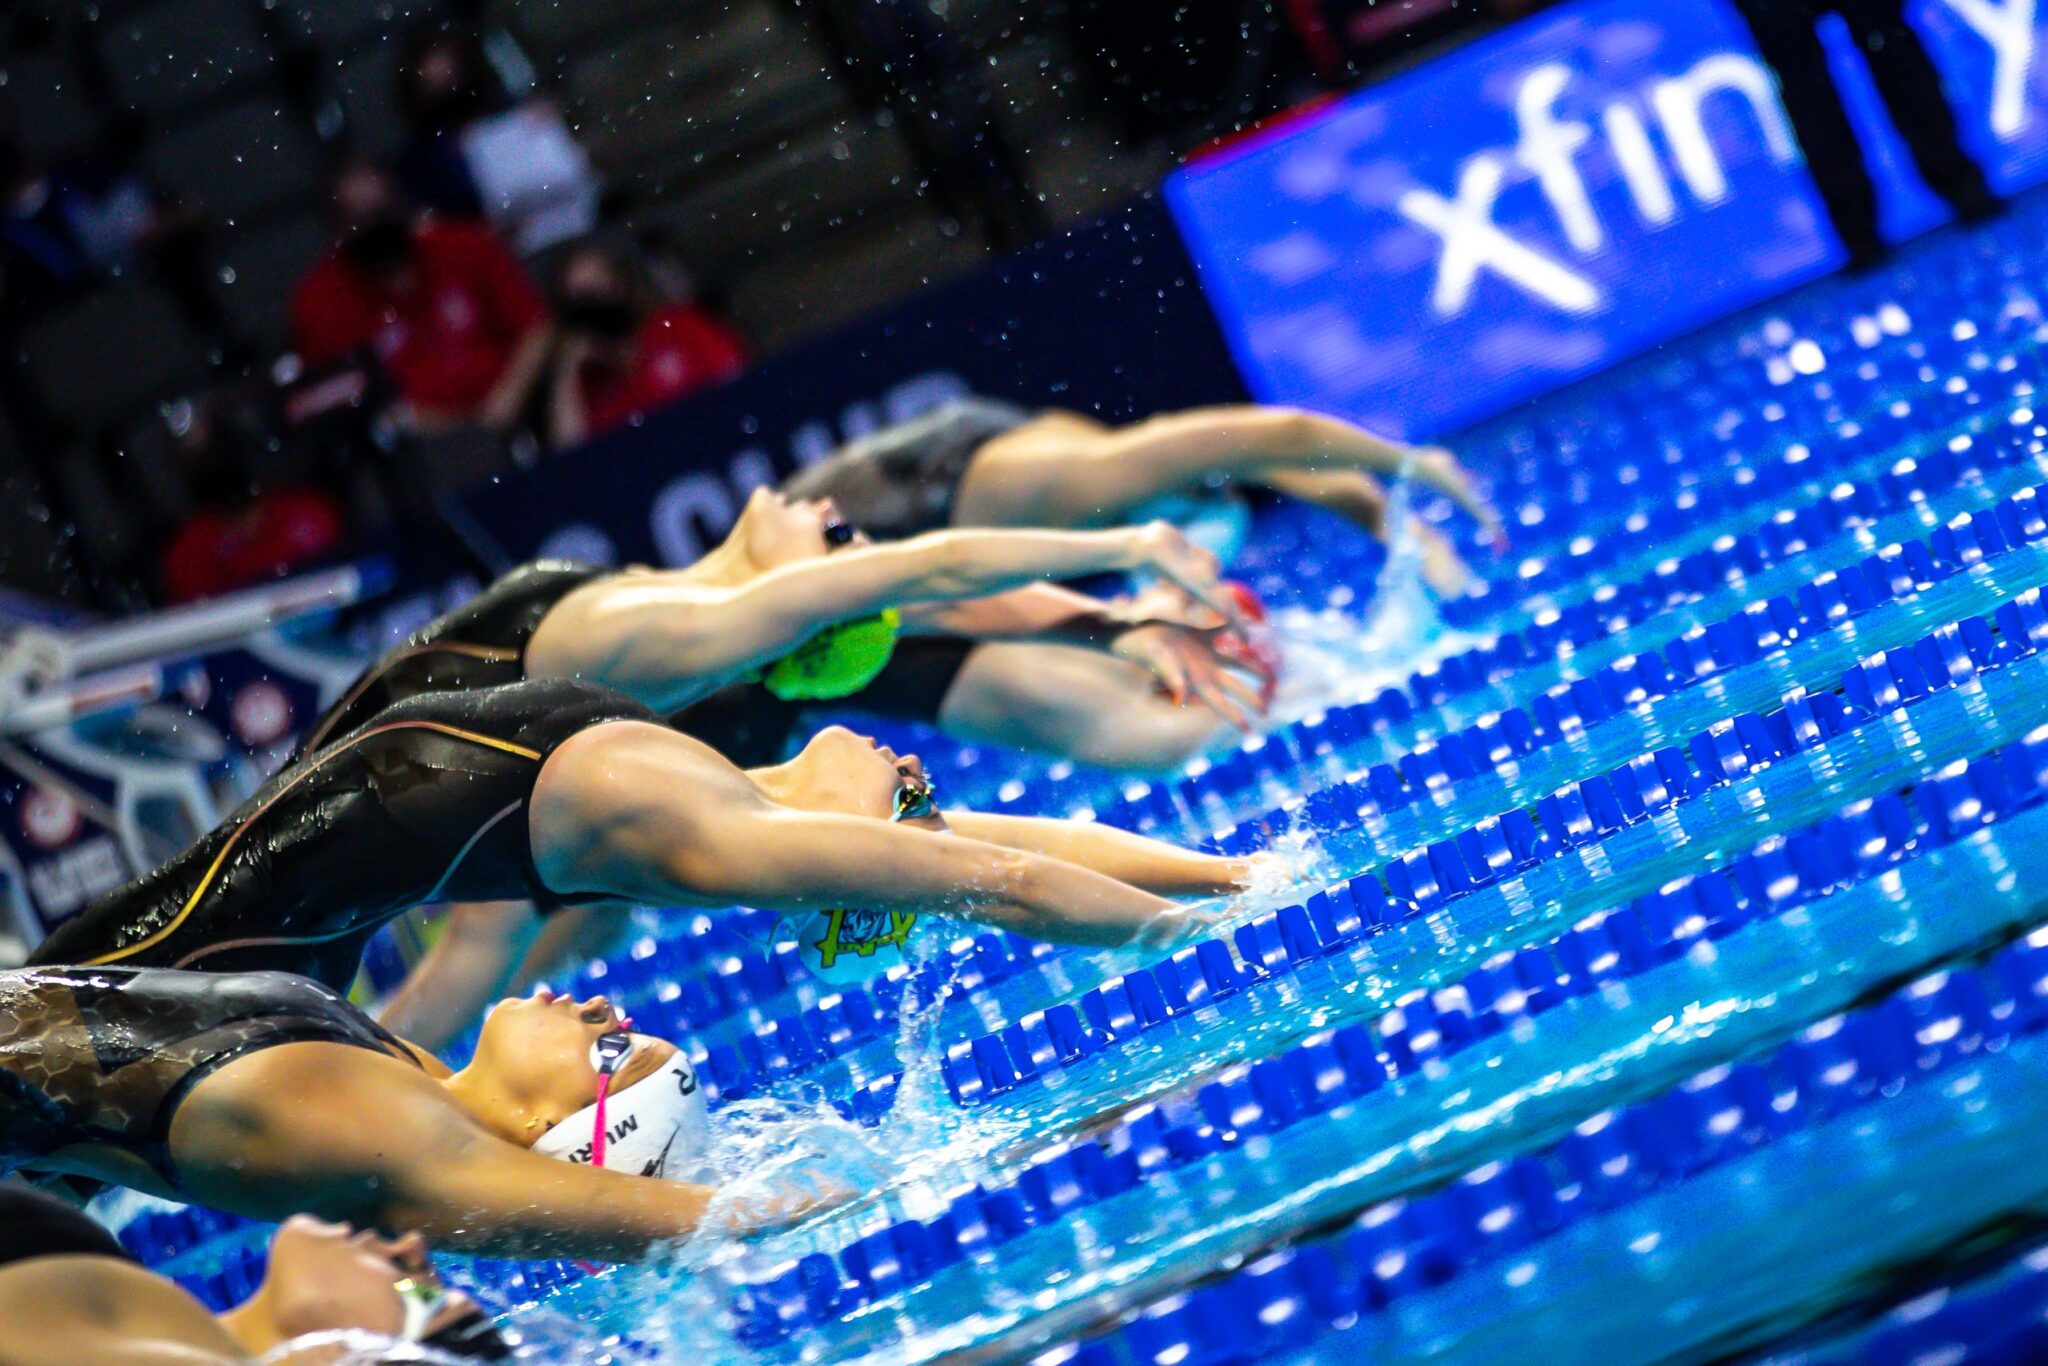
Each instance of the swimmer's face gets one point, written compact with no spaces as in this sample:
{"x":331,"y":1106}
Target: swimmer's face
{"x":536,"y":1049}
{"x":775,"y":530}
{"x":848,"y":774}
{"x":324,"y":1277}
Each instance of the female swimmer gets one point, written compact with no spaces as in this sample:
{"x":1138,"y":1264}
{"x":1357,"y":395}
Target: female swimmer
{"x":559,"y":792}
{"x":983,"y":463}
{"x":70,"y":1293}
{"x":1040,"y":668}
{"x":794,"y":598}
{"x":483,"y":950}
{"x":268,"y":1095}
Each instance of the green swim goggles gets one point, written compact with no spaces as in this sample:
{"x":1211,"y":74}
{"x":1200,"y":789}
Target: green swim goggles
{"x":914,"y":799}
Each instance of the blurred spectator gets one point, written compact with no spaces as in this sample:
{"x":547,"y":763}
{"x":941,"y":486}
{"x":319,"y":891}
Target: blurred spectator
{"x":65,"y":231}
{"x":457,"y":327}
{"x":625,"y":351}
{"x":1347,"y":39}
{"x":238,"y":533}
{"x":474,"y":152}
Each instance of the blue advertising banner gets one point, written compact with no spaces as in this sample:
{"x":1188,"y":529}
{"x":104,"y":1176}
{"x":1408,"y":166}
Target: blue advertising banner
{"x":1556,"y":198}
{"x":1106,"y":319}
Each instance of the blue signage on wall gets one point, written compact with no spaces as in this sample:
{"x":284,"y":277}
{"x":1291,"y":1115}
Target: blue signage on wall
{"x":1551,"y":200}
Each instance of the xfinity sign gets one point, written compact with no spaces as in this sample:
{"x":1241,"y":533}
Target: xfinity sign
{"x":1544,"y":203}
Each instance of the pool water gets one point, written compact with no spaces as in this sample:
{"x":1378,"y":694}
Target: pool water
{"x":1654,"y":963}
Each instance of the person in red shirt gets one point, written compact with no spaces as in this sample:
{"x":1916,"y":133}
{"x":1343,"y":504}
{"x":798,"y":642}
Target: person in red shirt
{"x":458,"y":328}
{"x":625,"y":353}
{"x":238,"y":535}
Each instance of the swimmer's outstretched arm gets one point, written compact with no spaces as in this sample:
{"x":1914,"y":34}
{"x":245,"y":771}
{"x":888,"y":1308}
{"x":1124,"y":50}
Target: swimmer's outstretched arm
{"x":1247,"y":439}
{"x":347,"y":1133}
{"x":1060,"y":472}
{"x":668,"y":642}
{"x":68,"y":1310}
{"x":636,"y":811}
{"x":1154,"y":865}
{"x":1182,"y":657}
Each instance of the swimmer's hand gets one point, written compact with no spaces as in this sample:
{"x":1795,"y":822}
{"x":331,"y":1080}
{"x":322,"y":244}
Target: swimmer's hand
{"x":759,"y":1215}
{"x":1443,"y":568}
{"x":1440,"y":470}
{"x":1189,"y":665}
{"x":1161,"y":548}
{"x":1170,"y":929}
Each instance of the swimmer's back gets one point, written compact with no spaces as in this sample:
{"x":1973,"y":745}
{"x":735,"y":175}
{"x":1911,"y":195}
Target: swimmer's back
{"x":901,"y":481}
{"x":103,"y":1057}
{"x":480,"y":644}
{"x":427,"y":802}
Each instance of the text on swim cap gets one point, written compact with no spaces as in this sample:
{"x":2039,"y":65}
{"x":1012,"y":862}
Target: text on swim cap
{"x":862,"y":932}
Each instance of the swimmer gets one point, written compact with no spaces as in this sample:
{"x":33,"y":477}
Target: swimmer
{"x":70,"y":1293}
{"x":1040,"y":668}
{"x":795,"y":598}
{"x":485,"y":949}
{"x":268,"y":1095}
{"x":978,"y":462}
{"x":562,"y":792}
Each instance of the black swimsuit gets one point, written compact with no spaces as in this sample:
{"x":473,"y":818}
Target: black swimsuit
{"x":483,"y":644}
{"x":426,"y":803}
{"x":478,"y":645}
{"x":902,"y":480}
{"x":33,"y":1224}
{"x":753,"y":727}
{"x":105,"y":1056}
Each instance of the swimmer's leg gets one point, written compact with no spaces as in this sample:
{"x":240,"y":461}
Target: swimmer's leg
{"x":570,"y":936}
{"x":489,"y":950}
{"x":1077,"y":704}
{"x":476,"y":961}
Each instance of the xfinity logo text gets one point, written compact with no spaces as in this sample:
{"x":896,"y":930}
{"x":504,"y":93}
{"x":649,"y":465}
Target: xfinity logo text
{"x":1548,"y":149}
{"x":2008,"y":26}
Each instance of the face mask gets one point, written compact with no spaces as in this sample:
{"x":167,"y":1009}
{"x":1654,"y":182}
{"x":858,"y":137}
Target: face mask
{"x":449,"y":107}
{"x":380,"y":246}
{"x":614,"y":319}
{"x":658,"y":1126}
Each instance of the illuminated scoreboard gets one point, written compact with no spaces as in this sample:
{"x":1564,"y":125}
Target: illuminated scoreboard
{"x":1553,"y":199}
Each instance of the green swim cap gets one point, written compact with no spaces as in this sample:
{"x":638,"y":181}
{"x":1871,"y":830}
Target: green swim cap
{"x":837,"y":662}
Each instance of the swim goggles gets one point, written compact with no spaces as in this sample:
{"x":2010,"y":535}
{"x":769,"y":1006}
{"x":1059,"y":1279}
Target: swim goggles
{"x":839,"y":532}
{"x":420,"y":1299}
{"x":473,"y":1336}
{"x":914,"y":799}
{"x":607,"y":1055}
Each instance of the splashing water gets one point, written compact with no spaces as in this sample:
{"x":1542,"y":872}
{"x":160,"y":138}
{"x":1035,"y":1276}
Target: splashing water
{"x":1331,"y":658}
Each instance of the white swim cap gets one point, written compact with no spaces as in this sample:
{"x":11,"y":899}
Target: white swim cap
{"x":846,"y":947}
{"x":658,"y":1126}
